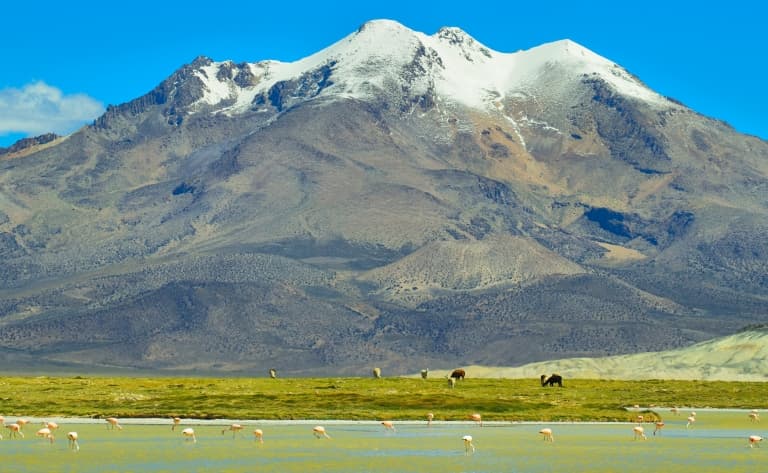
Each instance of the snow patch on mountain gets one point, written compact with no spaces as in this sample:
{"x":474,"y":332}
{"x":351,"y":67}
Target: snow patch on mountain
{"x":383,"y":53}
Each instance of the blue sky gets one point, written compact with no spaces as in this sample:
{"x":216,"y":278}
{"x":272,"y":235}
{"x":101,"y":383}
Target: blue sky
{"x":63,"y":62}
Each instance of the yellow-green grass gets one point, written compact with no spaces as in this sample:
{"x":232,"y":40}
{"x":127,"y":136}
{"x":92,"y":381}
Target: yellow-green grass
{"x":365,"y":398}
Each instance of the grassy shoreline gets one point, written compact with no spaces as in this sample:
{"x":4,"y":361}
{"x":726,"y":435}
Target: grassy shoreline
{"x":363,"y":398}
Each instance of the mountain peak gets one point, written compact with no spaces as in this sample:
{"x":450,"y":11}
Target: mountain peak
{"x":382,"y":25}
{"x":449,"y":65}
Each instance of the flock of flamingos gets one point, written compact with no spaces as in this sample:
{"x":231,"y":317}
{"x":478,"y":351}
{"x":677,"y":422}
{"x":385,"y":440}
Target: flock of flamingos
{"x":48,"y":429}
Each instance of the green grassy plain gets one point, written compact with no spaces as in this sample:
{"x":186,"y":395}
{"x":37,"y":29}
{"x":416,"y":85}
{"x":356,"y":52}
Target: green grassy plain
{"x":364,"y":398}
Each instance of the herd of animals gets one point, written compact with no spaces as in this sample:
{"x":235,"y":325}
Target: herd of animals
{"x":48,"y":427}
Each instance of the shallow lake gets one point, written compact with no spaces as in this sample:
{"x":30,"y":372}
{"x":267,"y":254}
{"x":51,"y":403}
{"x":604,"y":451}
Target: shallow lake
{"x":716,"y":442}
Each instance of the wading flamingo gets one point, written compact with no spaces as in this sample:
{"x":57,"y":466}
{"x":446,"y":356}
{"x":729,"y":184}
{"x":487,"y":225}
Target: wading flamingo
{"x":51,"y":425}
{"x":639,"y":432}
{"x":319,"y":432}
{"x":176,"y":421}
{"x":754,"y":416}
{"x":45,"y":433}
{"x":189,"y":434}
{"x":388,"y":425}
{"x":235,"y":428}
{"x":477,"y":418}
{"x":259,"y":434}
{"x":754,"y":440}
{"x":430,"y":416}
{"x":15,"y":430}
{"x":72,"y":436}
{"x":675,"y":410}
{"x":112,"y":423}
{"x":691,"y":419}
{"x":547,"y":434}
{"x":659,"y":426}
{"x":468,"y":445}
{"x":639,"y":419}
{"x":21,"y":423}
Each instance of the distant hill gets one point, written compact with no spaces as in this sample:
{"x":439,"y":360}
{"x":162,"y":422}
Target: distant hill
{"x":739,"y":357}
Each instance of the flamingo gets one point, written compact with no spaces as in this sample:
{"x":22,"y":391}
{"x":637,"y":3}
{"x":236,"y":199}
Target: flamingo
{"x":430,"y":416}
{"x":547,"y":434}
{"x":319,"y":432}
{"x":112,"y":423}
{"x":477,"y":418}
{"x":388,"y":425}
{"x":754,"y":440}
{"x":45,"y":433}
{"x":176,"y":421}
{"x":2,"y":420}
{"x":639,"y":419}
{"x":72,"y":436}
{"x":754,"y":416}
{"x":51,"y":425}
{"x":639,"y":432}
{"x":659,"y":426}
{"x":675,"y":410}
{"x":259,"y":434}
{"x":15,"y":430}
{"x":189,"y":434}
{"x":691,"y":420}
{"x":22,"y":422}
{"x":468,"y":445}
{"x":235,"y":428}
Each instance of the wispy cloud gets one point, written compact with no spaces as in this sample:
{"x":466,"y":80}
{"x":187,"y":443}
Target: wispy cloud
{"x":39,"y":108}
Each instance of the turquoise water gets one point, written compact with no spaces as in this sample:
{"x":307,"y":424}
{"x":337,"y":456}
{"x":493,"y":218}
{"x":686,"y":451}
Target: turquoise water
{"x":717,"y":442}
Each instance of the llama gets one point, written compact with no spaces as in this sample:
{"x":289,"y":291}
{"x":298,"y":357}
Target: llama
{"x":552,"y":380}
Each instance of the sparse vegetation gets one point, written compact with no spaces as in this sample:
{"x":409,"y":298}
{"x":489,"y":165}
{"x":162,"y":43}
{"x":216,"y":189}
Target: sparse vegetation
{"x":364,"y":398}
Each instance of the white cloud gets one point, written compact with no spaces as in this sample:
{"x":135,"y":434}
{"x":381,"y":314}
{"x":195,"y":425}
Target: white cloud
{"x":39,"y":108}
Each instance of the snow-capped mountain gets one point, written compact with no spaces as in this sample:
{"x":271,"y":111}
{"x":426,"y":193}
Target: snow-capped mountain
{"x":397,"y":199}
{"x":450,"y":64}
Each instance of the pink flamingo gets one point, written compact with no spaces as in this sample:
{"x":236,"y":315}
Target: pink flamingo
{"x":639,"y":432}
{"x":259,"y":434}
{"x":468,"y":445}
{"x":477,"y":418}
{"x":235,"y":428}
{"x":547,"y":434}
{"x":112,"y":423}
{"x":51,"y":425}
{"x":659,"y":426}
{"x":754,"y":440}
{"x":388,"y":425}
{"x":675,"y":410}
{"x":2,"y":420}
{"x":430,"y":416}
{"x":72,"y":437}
{"x":22,"y":423}
{"x":15,"y":430}
{"x":754,"y":416}
{"x":691,"y":419}
{"x":319,"y":432}
{"x":639,"y":419}
{"x":45,"y":433}
{"x":189,"y":434}
{"x":176,"y":421}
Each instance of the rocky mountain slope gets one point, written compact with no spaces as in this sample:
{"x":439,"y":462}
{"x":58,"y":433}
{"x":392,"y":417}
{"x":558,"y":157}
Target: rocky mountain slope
{"x":397,"y":199}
